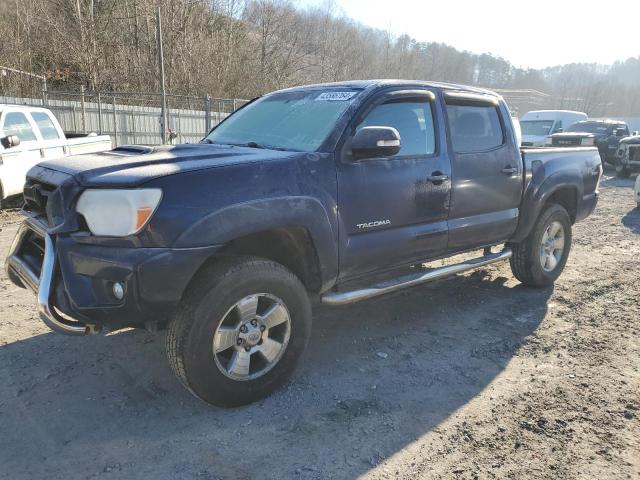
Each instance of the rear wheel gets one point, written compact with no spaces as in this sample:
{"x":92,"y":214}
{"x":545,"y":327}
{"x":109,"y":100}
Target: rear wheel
{"x":240,"y":332}
{"x":539,"y":260}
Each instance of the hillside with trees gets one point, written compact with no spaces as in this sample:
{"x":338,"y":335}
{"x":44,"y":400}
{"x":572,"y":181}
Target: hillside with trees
{"x":241,"y":48}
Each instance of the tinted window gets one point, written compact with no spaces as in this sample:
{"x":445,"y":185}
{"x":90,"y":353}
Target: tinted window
{"x":46,"y":126}
{"x":16,"y":124}
{"x":412,"y":119}
{"x":474,"y":128}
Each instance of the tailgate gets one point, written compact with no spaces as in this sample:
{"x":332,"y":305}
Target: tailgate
{"x":89,"y":144}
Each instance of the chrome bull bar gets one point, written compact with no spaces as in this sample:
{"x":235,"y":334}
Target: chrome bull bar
{"x":42,"y":285}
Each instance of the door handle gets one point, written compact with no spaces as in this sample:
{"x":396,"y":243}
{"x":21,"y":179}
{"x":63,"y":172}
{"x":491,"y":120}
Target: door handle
{"x":509,"y":170}
{"x":437,"y":178}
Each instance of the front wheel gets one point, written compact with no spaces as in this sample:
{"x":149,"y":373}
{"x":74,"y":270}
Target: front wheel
{"x":240,"y":332}
{"x":539,"y":260}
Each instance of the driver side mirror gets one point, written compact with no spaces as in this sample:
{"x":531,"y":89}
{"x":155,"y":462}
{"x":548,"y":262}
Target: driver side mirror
{"x":559,"y":130}
{"x":10,"y":141}
{"x":375,"y":142}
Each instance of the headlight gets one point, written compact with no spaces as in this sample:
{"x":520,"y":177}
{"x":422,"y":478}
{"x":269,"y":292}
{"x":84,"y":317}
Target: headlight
{"x":587,"y":142}
{"x":118,"y":213}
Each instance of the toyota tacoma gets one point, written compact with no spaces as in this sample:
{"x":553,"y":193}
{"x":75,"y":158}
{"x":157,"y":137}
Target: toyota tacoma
{"x":313,"y":194}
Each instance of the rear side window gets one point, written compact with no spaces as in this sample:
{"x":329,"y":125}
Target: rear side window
{"x":46,"y":126}
{"x":16,"y":123}
{"x":474,"y":128}
{"x":413,"y":120}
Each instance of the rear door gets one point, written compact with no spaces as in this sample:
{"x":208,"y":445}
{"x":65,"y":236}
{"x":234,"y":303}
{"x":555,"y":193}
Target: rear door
{"x":487,"y":175}
{"x":393,"y":210}
{"x":16,"y":161}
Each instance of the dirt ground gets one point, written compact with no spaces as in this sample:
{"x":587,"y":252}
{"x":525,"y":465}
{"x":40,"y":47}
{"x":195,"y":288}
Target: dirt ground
{"x":473,"y":377}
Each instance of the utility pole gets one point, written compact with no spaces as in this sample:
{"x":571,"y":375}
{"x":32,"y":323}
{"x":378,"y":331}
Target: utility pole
{"x":163,"y":120}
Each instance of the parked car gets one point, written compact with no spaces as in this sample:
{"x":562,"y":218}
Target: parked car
{"x":29,"y":135}
{"x":538,"y":125}
{"x":604,"y":134}
{"x":636,"y":191}
{"x":314,"y":192}
{"x":628,"y":155}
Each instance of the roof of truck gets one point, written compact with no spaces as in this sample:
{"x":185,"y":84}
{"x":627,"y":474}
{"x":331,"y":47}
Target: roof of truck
{"x":393,"y":82}
{"x":605,"y":121}
{"x":573,"y":112}
{"x":26,"y":108}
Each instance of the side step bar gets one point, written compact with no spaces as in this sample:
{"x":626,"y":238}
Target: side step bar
{"x":343,"y":298}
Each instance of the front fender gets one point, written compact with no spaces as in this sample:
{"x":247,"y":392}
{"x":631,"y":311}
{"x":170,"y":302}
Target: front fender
{"x":242,"y":219}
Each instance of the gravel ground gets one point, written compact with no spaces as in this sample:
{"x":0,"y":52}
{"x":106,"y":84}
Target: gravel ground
{"x":473,"y":377}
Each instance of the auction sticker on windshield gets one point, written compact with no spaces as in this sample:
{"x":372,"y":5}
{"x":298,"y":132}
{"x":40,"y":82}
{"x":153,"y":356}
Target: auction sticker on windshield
{"x":335,"y":96}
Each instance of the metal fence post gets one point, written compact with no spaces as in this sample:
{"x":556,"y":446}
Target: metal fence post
{"x":115,"y":124}
{"x":207,"y":113}
{"x":44,"y":92}
{"x":99,"y":114}
{"x":133,"y":126}
{"x":84,"y":110}
{"x":73,"y":113}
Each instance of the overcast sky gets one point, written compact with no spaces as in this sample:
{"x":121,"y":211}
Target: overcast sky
{"x":536,"y":34}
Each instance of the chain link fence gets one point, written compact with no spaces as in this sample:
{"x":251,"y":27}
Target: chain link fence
{"x":133,"y":118}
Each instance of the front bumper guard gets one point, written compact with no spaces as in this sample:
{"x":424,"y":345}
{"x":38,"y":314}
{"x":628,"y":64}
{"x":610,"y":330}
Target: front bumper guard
{"x":42,"y":285}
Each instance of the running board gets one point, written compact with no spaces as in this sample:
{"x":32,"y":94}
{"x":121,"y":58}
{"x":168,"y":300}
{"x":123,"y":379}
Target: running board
{"x":342,"y":298}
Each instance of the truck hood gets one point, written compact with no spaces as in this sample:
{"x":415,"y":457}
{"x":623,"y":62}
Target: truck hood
{"x":134,"y":165}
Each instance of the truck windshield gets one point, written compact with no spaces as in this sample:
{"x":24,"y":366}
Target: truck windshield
{"x":298,"y":120}
{"x":536,"y":127}
{"x":588,"y":127}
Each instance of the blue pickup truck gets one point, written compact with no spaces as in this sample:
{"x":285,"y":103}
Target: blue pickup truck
{"x":328,"y":193}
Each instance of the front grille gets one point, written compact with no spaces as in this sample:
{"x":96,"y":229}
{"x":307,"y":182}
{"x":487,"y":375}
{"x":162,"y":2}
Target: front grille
{"x":43,"y":199}
{"x":32,"y":251}
{"x":36,"y":196}
{"x":634,"y":153}
{"x":567,"y":141}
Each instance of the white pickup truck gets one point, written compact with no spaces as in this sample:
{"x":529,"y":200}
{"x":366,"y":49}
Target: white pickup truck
{"x":30,"y":135}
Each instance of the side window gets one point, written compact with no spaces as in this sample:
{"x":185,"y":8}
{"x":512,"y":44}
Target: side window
{"x":414,"y":121}
{"x":15,"y":123}
{"x":46,"y":126}
{"x":474,"y":128}
{"x":558,"y":127}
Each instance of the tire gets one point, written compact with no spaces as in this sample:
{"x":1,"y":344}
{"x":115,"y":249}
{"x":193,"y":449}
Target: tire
{"x":527,"y":262}
{"x":214,"y":306}
{"x":622,"y":171}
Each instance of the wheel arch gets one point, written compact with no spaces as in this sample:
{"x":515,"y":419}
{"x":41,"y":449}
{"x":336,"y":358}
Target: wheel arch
{"x":295,"y":232}
{"x":561,"y":188}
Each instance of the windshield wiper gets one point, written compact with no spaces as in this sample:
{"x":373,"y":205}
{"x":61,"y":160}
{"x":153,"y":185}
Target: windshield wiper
{"x":250,"y":145}
{"x":264,"y":147}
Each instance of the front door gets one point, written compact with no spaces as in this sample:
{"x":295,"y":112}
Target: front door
{"x":16,"y":161}
{"x":487,"y":177}
{"x":393,"y":210}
